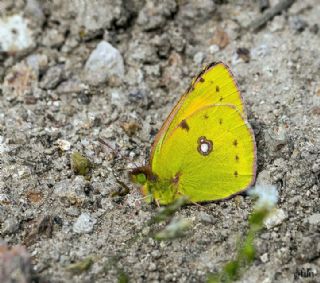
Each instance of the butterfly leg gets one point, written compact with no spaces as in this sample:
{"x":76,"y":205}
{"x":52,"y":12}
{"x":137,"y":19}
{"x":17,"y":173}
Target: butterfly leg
{"x":197,"y":204}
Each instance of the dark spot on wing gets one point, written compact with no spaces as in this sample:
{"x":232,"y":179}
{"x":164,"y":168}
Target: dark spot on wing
{"x":235,"y":173}
{"x":175,"y":179}
{"x":184,"y":125}
{"x":217,"y":88}
{"x":221,"y":98}
{"x":199,"y":76}
{"x":220,"y":121}
{"x":237,"y":158}
{"x":205,"y":116}
{"x":235,"y":142}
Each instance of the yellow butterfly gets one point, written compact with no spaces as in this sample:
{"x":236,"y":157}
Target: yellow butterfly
{"x":205,"y":150}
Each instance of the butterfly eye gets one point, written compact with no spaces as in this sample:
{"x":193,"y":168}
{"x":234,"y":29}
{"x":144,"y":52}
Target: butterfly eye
{"x":140,"y":178}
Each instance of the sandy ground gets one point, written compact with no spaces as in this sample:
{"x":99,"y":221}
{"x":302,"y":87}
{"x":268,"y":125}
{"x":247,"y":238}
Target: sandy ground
{"x":53,"y":102}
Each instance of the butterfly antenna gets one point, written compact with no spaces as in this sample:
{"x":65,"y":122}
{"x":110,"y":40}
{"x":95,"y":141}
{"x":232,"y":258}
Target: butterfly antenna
{"x":145,"y":197}
{"x":119,"y":182}
{"x":117,"y":153}
{"x":122,"y":184}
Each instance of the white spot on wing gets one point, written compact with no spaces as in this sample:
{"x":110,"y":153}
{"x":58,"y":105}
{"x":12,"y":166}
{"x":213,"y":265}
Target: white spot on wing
{"x":204,"y":148}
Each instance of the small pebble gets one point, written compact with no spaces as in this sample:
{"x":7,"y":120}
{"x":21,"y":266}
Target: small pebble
{"x":156,"y":254}
{"x":206,"y":218}
{"x":198,"y":58}
{"x":263,"y":5}
{"x":15,"y":36}
{"x":38,"y":62}
{"x":316,"y":167}
{"x":53,"y":38}
{"x":4,"y":199}
{"x":84,"y":224}
{"x":297,"y":24}
{"x":214,"y":48}
{"x":10,"y":226}
{"x":276,"y":138}
{"x":104,"y":61}
{"x":276,"y":217}
{"x":314,"y":219}
{"x":314,"y":28}
{"x":152,"y":266}
{"x":53,"y":77}
{"x":277,"y":24}
{"x":64,"y":145}
{"x":264,"y":258}
{"x":153,"y":16}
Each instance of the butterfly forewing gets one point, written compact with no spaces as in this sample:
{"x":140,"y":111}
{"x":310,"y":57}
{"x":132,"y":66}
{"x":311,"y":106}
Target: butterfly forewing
{"x":215,"y":84}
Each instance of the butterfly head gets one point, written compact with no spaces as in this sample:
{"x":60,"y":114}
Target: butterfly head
{"x":142,"y":175}
{"x":139,"y":178}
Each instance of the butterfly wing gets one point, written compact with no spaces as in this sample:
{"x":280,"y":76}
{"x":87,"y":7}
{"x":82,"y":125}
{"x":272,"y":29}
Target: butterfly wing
{"x":214,"y":84}
{"x":211,"y":156}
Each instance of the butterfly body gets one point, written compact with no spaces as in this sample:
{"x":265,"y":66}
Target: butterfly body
{"x":205,"y":149}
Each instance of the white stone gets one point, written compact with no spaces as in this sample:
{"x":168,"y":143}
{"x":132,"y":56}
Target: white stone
{"x":260,"y":51}
{"x":33,"y":10}
{"x":3,"y":147}
{"x":92,"y":17}
{"x":118,"y":97}
{"x":314,"y":219}
{"x":15,"y":35}
{"x":84,"y":224}
{"x":264,"y":258}
{"x":277,"y":24}
{"x":64,"y":145}
{"x":37,"y":62}
{"x":276,"y":217}
{"x":198,"y":58}
{"x":104,"y":61}
{"x":4,"y":199}
{"x":214,"y":48}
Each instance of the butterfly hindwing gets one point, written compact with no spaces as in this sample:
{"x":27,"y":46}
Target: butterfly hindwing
{"x":210,"y":155}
